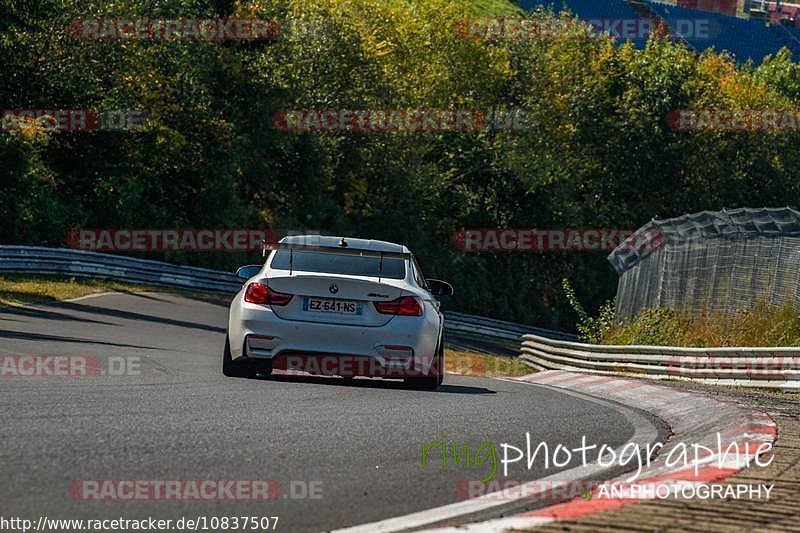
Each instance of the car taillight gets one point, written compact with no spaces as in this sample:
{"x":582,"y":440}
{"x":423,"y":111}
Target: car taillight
{"x":259,"y":293}
{"x":405,"y":305}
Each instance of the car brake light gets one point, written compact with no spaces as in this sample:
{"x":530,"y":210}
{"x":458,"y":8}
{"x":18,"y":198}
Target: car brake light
{"x":259,"y":293}
{"x":405,"y":305}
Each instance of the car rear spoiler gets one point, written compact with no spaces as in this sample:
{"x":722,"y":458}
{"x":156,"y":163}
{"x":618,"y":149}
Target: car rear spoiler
{"x":343,"y":248}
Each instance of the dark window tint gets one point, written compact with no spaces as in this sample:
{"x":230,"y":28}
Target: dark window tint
{"x":352,"y":265}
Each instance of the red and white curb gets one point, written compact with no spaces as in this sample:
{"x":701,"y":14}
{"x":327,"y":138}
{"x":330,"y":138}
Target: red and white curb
{"x":693,"y":418}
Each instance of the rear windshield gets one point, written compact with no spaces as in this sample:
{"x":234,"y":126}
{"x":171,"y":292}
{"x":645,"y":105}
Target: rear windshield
{"x":352,"y":265}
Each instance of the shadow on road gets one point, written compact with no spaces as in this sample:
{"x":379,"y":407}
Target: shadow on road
{"x":131,"y":315}
{"x":58,"y":338}
{"x":221,"y":300}
{"x":33,"y":312}
{"x":367,"y":383}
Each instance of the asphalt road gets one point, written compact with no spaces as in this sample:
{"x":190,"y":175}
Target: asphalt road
{"x":177,"y":417}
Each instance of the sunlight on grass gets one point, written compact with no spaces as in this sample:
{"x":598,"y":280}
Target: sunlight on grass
{"x":496,"y":8}
{"x":16,"y":290}
{"x":762,"y":325}
{"x":473,"y":364}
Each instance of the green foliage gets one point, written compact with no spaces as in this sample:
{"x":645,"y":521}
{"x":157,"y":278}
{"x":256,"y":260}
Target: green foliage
{"x":599,"y":153}
{"x":590,"y":328}
{"x":574,"y":303}
{"x":657,"y":326}
{"x":761,"y":326}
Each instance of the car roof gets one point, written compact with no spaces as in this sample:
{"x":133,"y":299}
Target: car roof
{"x":352,"y":243}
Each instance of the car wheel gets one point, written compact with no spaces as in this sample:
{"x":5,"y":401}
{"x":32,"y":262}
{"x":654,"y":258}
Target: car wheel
{"x":436,"y":378}
{"x":264,"y":368}
{"x":440,"y":376}
{"x":242,"y":369}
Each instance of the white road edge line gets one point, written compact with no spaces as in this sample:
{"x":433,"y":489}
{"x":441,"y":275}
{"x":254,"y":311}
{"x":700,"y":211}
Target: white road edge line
{"x":93,"y":295}
{"x":500,"y":525}
{"x":644,"y":433}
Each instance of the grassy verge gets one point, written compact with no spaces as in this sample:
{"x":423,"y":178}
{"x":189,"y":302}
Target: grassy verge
{"x":22,"y":289}
{"x":514,"y":345}
{"x":497,"y":8}
{"x":760,"y":326}
{"x":474,"y":364}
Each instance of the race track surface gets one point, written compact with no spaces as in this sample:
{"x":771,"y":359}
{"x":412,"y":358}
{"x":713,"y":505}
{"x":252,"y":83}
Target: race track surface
{"x":178,"y":417}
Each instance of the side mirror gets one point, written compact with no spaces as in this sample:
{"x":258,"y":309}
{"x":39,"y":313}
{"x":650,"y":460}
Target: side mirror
{"x":247,"y":272}
{"x":438,"y":287}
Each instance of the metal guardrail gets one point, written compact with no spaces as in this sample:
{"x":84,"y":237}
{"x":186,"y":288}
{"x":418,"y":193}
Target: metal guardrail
{"x":40,"y":260}
{"x":80,"y":263}
{"x":498,"y":328}
{"x":749,"y":367}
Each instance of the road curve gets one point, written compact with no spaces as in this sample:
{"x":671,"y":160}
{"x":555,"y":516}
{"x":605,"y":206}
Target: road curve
{"x":179,"y":418}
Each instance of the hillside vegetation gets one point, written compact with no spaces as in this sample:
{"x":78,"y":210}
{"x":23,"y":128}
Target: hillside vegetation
{"x":599,"y":152}
{"x":760,"y":326}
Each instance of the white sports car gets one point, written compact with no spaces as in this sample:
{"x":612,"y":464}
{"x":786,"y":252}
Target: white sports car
{"x":337,"y":306}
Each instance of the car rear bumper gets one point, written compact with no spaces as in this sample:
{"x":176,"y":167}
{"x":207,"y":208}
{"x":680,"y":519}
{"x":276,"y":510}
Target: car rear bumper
{"x":257,"y":333}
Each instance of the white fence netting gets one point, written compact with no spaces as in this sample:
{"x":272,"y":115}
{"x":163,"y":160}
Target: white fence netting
{"x":713,"y":261}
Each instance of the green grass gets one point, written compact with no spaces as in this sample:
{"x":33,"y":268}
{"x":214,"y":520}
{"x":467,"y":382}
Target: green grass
{"x":22,"y":289}
{"x":760,"y":326}
{"x":474,"y":364}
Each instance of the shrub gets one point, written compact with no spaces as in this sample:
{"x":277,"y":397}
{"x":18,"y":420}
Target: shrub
{"x":763,"y":325}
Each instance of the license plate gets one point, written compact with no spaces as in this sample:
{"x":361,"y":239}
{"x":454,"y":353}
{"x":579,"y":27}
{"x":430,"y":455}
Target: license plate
{"x":327,"y":305}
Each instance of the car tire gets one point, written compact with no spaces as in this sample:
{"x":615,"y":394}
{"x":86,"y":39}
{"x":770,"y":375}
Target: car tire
{"x":242,"y":369}
{"x":431,"y":382}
